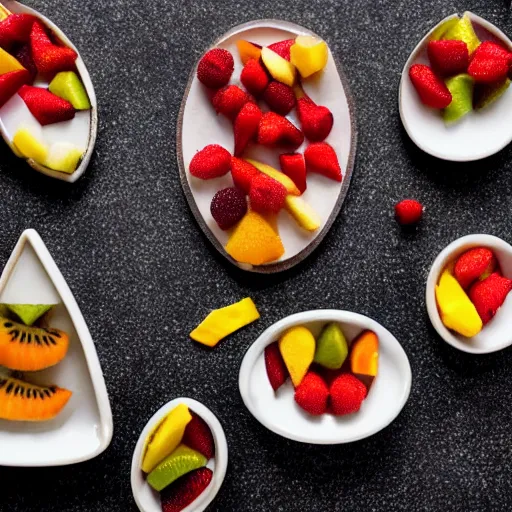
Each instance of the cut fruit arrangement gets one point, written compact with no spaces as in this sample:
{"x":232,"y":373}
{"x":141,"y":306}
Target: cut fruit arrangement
{"x":25,"y":347}
{"x":39,"y":87}
{"x":270,"y":89}
{"x":175,"y":455}
{"x":465,"y":74}
{"x":327,"y":374}
{"x":470,"y":291}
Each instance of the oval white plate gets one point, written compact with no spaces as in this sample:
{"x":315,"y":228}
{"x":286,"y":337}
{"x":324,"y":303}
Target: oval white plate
{"x":497,"y":334}
{"x":199,"y":125}
{"x":147,"y":499}
{"x":279,"y":412}
{"x":83,"y":429}
{"x":479,"y":134}
{"x":80,"y":131}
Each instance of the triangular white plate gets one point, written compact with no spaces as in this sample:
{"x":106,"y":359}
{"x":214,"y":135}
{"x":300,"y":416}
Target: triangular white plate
{"x":84,"y":428}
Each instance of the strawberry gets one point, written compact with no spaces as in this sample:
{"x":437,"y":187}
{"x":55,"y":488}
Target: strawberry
{"x":485,"y":70}
{"x":315,"y":120}
{"x":266,"y":194}
{"x":46,"y":107}
{"x":246,"y":126}
{"x":215,"y":68}
{"x":279,"y":97}
{"x":408,"y":211}
{"x":276,"y":368}
{"x":212,"y":161}
{"x":243,"y":173}
{"x":477,"y":263}
{"x":449,"y":57}
{"x":282,"y":48}
{"x":15,"y":28}
{"x":24,"y":56}
{"x":183,"y":491}
{"x":254,"y":77}
{"x":488,"y":295}
{"x":276,"y":130}
{"x":312,"y":394}
{"x":321,"y":158}
{"x":10,"y":84}
{"x":431,"y":89}
{"x":294,"y":166}
{"x":198,"y":436}
{"x":230,"y":100}
{"x":347,"y":394}
{"x":490,"y":50}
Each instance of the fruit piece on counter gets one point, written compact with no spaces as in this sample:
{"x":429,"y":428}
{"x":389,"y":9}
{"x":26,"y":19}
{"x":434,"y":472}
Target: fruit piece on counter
{"x":68,"y":86}
{"x":280,"y":69}
{"x":288,"y":184}
{"x":229,"y":100}
{"x":254,"y":77}
{"x":321,"y":158}
{"x":364,"y":354}
{"x":275,"y":130}
{"x":485,"y":95}
{"x":279,"y":97}
{"x":63,"y":157}
{"x":11,"y":82}
{"x":477,"y":263}
{"x":224,"y":321}
{"x":461,"y":89}
{"x":448,"y":57}
{"x":248,"y":50}
{"x":430,"y":88}
{"x":30,"y":349}
{"x":408,"y":212}
{"x":165,"y":437}
{"x":199,"y":437}
{"x":282,"y":48}
{"x":489,"y":295}
{"x":275,"y":366}
{"x":8,"y":63}
{"x":439,"y":32}
{"x":315,"y":120}
{"x":463,"y":31}
{"x":29,"y":313}
{"x":347,"y":394}
{"x":180,"y":462}
{"x":20,"y":401}
{"x":294,"y":166}
{"x":456,"y":310}
{"x":246,"y":126}
{"x":312,"y":394}
{"x":211,"y":162}
{"x":266,"y":195}
{"x":215,"y":68}
{"x":297,"y":346}
{"x":488,"y":68}
{"x":15,"y":28}
{"x":255,"y":240}
{"x":30,"y":145}
{"x":45,"y":106}
{"x":242,"y":173}
{"x":331,"y":347}
{"x":183,"y":491}
{"x":24,"y":56}
{"x":309,"y":55}
{"x":303,"y":213}
{"x":228,"y":206}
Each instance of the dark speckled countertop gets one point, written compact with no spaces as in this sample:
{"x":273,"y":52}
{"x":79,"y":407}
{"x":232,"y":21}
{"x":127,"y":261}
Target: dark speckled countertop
{"x":144,"y":275}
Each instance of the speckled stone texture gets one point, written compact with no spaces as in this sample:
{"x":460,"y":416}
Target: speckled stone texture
{"x":144,"y":275}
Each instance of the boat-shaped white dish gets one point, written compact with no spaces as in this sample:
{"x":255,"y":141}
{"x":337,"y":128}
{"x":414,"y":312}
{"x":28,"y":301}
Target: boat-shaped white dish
{"x":147,"y":499}
{"x":480,"y":133}
{"x":84,"y":427}
{"x":199,"y":125}
{"x":278,"y":411}
{"x":495,"y":335}
{"x":80,"y":131}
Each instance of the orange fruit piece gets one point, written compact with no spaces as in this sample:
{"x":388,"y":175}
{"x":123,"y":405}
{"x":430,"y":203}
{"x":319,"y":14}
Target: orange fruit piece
{"x":364,"y":354}
{"x":248,"y":51}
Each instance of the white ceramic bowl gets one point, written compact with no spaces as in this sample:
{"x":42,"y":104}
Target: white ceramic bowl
{"x":147,"y":499}
{"x":278,"y":411}
{"x":497,"y":334}
{"x":476,"y":136}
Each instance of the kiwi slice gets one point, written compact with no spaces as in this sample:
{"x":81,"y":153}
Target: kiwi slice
{"x":461,"y":87}
{"x":331,"y":347}
{"x":28,"y":313}
{"x":68,"y":86}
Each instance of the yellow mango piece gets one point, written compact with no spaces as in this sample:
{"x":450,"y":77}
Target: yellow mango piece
{"x":30,"y":146}
{"x":441,"y":30}
{"x":463,"y":31}
{"x":303,"y":213}
{"x":287,"y":183}
{"x":255,"y":241}
{"x":222,"y":322}
{"x":309,"y":55}
{"x":3,"y":12}
{"x":280,"y":69}
{"x":297,"y":346}
{"x":456,"y":309}
{"x":64,"y":157}
{"x":8,"y":62}
{"x":165,"y":437}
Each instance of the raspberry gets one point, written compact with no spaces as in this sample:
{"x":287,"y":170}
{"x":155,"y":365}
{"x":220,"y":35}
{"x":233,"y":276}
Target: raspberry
{"x":228,"y":207}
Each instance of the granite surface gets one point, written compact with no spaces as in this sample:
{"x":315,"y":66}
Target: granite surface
{"x":144,"y":275}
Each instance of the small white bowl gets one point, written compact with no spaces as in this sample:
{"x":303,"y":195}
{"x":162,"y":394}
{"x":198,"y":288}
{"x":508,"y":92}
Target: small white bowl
{"x":497,"y":334}
{"x":479,"y":134}
{"x":278,"y":411}
{"x":147,"y":499}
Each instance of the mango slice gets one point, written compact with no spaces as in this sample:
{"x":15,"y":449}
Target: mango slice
{"x":309,"y":55}
{"x":30,"y":146}
{"x":303,"y":213}
{"x":331,"y":347}
{"x":222,"y":322}
{"x":457,"y":311}
{"x":441,"y":30}
{"x":297,"y":346}
{"x":63,"y":157}
{"x":463,"y":31}
{"x":287,"y":183}
{"x":364,"y":354}
{"x":280,"y":69}
{"x":248,"y":51}
{"x":68,"y":86}
{"x":8,"y":62}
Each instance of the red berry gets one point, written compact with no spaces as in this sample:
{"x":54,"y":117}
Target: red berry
{"x":266,"y":194}
{"x":312,"y":394}
{"x":275,"y":366}
{"x":321,"y":158}
{"x":242,"y":173}
{"x":230,"y":100}
{"x":215,"y":68}
{"x":198,"y":436}
{"x":315,"y":120}
{"x":294,"y":166}
{"x":408,"y":211}
{"x":347,"y":394}
{"x":279,"y":97}
{"x":254,"y":77}
{"x":449,"y":57}
{"x":282,"y":48}
{"x":183,"y":491}
{"x":488,"y":295}
{"x":431,"y":89}
{"x":212,"y":161}
{"x":246,"y":126}
{"x":228,"y":206}
{"x":276,"y":130}
{"x":474,"y":264}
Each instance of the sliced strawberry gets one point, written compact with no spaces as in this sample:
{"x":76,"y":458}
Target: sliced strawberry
{"x":254,"y":77}
{"x":266,"y":194}
{"x":279,"y":97}
{"x":15,"y":28}
{"x":488,"y":295}
{"x":487,"y":70}
{"x":24,"y":56}
{"x":431,"y":89}
{"x":275,"y":366}
{"x":229,"y":101}
{"x":294,"y":166}
{"x":198,"y":436}
{"x":46,"y":107}
{"x":449,"y":57}
{"x":246,"y":126}
{"x":315,"y":120}
{"x":243,"y":173}
{"x":183,"y":491}
{"x":11,"y":82}
{"x":321,"y":158}
{"x":282,"y":48}
{"x":276,"y":130}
